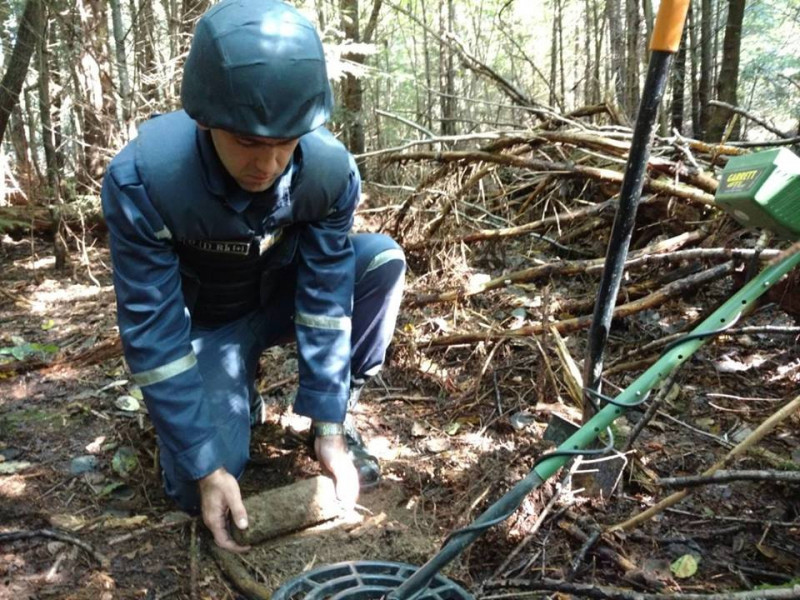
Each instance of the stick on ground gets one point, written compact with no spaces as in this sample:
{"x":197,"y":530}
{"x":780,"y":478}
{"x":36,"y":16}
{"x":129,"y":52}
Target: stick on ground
{"x":11,"y":536}
{"x":752,"y":439}
{"x":726,"y":476}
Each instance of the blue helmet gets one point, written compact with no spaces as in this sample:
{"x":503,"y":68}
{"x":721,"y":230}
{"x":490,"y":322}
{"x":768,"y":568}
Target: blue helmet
{"x":256,"y":67}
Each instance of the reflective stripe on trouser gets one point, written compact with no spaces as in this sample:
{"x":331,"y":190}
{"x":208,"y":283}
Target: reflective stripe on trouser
{"x":227,"y":355}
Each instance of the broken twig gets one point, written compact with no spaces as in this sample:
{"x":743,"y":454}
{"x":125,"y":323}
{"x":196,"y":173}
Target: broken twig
{"x":11,"y":536}
{"x":727,"y":476}
{"x":752,"y":439}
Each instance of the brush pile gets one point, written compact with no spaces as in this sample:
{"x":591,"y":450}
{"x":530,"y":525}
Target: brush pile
{"x":505,"y":236}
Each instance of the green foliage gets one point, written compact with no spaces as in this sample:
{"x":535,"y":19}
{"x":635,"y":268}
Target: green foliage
{"x":770,"y":68}
{"x":124,"y":461}
{"x":789,"y":584}
{"x":22,"y":349}
{"x":12,"y":421}
{"x":9,"y":224}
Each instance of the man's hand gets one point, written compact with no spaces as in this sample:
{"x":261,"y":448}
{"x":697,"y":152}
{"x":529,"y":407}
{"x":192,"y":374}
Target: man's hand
{"x":331,"y":451}
{"x":219,"y":493}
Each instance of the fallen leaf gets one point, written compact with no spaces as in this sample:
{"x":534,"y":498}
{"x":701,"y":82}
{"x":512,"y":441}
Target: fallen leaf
{"x":520,"y":420}
{"x":127,"y":403}
{"x":124,"y":522}
{"x":452,"y":428}
{"x":436,"y":445}
{"x":704,"y":422}
{"x":68,"y":522}
{"x":684,"y":567}
{"x":82,"y":464}
{"x":110,"y":487}
{"x":124,"y":461}
{"x":13,"y":466}
{"x":418,"y":429}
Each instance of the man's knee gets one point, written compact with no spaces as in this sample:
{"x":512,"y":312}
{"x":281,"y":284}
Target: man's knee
{"x":379,"y":258}
{"x":183,"y":490}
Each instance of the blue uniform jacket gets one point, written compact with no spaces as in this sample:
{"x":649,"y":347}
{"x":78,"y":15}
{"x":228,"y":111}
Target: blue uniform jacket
{"x":168,"y":187}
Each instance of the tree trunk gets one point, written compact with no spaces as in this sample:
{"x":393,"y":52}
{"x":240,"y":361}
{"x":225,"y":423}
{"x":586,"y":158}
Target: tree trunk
{"x":728,"y":80}
{"x":554,"y":56}
{"x":14,"y":77}
{"x":27,"y":109}
{"x":649,"y":19}
{"x":597,"y":20}
{"x":173,"y":35}
{"x":145,"y":53}
{"x":632,"y":25}
{"x":191,"y":11}
{"x":706,"y":45}
{"x":562,"y":78}
{"x":617,"y":43}
{"x":427,"y":118}
{"x":22,"y":154}
{"x":678,"y":85}
{"x":447,"y":100}
{"x":122,"y":65}
{"x":588,"y":88}
{"x":693,"y":88}
{"x":352,"y":87}
{"x":48,"y":139}
{"x":99,"y":116}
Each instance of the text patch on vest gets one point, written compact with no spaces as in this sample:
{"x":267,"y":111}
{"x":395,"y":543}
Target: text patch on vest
{"x":238,"y":248}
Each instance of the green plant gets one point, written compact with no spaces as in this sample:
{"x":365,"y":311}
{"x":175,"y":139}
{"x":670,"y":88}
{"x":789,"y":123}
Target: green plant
{"x":22,"y":349}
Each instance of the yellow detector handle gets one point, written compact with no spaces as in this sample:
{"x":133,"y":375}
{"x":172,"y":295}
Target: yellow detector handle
{"x":669,"y":25}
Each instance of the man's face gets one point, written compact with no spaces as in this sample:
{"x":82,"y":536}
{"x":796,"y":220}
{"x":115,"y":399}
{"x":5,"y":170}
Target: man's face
{"x":254,"y":162}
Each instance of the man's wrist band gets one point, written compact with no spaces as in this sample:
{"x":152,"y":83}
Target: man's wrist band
{"x":326,"y":428}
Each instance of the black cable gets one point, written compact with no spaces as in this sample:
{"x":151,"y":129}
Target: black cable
{"x":695,"y":336}
{"x":610,"y":400}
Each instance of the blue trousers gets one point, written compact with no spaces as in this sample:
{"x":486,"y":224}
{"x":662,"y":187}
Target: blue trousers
{"x":228,"y":354}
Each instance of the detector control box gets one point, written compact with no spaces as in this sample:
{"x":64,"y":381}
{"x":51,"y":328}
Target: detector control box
{"x":763,"y":190}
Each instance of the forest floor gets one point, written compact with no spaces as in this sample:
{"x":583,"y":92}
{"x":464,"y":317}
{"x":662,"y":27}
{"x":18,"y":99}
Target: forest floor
{"x":454,"y":426}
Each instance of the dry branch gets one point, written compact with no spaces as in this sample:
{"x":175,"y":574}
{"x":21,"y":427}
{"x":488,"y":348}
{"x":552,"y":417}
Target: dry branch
{"x":105,"y":350}
{"x":727,"y":476}
{"x":640,"y":258}
{"x":620,"y":148}
{"x":11,"y":536}
{"x":752,"y":439}
{"x":576,"y":532}
{"x":232,"y":566}
{"x":508,"y":232}
{"x":608,"y":593}
{"x":657,"y":298}
{"x":655,"y":186}
{"x":756,"y":119}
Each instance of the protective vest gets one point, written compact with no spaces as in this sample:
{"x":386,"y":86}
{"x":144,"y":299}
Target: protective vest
{"x":231,"y":261}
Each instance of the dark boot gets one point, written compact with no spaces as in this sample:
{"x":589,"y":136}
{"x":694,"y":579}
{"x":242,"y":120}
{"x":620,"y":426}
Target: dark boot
{"x":369,"y":470}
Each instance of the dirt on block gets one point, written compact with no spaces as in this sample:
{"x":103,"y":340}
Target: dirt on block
{"x":287,"y":509}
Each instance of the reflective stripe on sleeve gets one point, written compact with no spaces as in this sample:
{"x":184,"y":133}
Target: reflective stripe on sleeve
{"x":320,"y":322}
{"x":383,"y":257}
{"x":164,"y":372}
{"x":163,"y":234}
